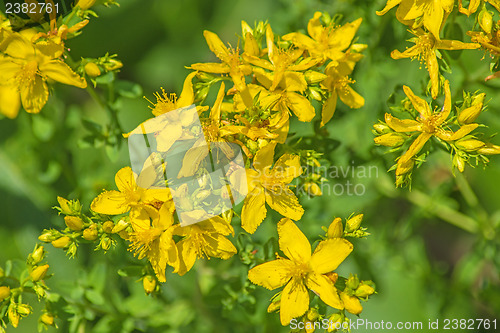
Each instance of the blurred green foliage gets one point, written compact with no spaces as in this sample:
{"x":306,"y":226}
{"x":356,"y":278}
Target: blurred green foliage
{"x":424,"y":267}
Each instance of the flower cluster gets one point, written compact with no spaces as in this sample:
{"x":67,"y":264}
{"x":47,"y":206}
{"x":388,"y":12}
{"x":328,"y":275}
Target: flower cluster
{"x":451,"y":126}
{"x":270,"y":80}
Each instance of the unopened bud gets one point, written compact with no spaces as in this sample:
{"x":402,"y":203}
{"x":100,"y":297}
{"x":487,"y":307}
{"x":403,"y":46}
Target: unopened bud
{"x":92,"y":69}
{"x":4,"y":293}
{"x":405,"y":167}
{"x":73,"y":222}
{"x":85,"y":4}
{"x":62,"y":242}
{"x":112,"y":64}
{"x":470,"y":145}
{"x":313,"y":189}
{"x":47,"y":319}
{"x":37,"y":255}
{"x":91,"y":233}
{"x":108,"y":226}
{"x":352,"y":282}
{"x":351,"y":303}
{"x":390,"y":140}
{"x":149,"y":284}
{"x":470,"y":114}
{"x":105,"y":243}
{"x":312,"y":314}
{"x":49,"y":235}
{"x":353,"y":223}
{"x":315,"y":93}
{"x":14,"y":317}
{"x":381,"y":128}
{"x":39,"y":273}
{"x":335,"y":230}
{"x":364,"y":290}
{"x":24,"y":309}
{"x":120,"y":226}
{"x":489,"y":149}
{"x":69,"y":207}
{"x":485,"y":20}
{"x":314,"y":77}
{"x":459,"y":163}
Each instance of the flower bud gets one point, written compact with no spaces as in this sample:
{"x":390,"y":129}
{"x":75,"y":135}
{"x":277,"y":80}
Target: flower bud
{"x":47,"y":319}
{"x":39,"y":273}
{"x":335,"y":230}
{"x":489,"y":149}
{"x":92,"y":69}
{"x":85,"y":4}
{"x":62,"y":242}
{"x":381,"y":128}
{"x":49,"y":235}
{"x":37,"y":255}
{"x":108,"y":226}
{"x":120,"y":226}
{"x":485,"y":20}
{"x":332,"y":276}
{"x":2,"y":273}
{"x":24,"y":310}
{"x":313,"y":189}
{"x":405,"y":167}
{"x":335,"y":321}
{"x":470,"y":114}
{"x":149,"y":284}
{"x":353,"y":223}
{"x":364,"y":290}
{"x":314,"y":77}
{"x":73,"y":222}
{"x":315,"y":93}
{"x":91,"y":233}
{"x":105,"y":243}
{"x":351,"y":303}
{"x":69,"y":207}
{"x":459,"y":163}
{"x":312,"y":314}
{"x":4,"y":293}
{"x":112,"y":64}
{"x":390,"y":140}
{"x":352,"y":282}
{"x":14,"y":317}
{"x":470,"y":145}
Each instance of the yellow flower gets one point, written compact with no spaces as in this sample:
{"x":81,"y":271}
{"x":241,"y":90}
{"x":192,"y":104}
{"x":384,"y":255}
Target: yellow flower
{"x":325,"y":42}
{"x":152,"y":238}
{"x":337,"y":83}
{"x":428,"y":124}
{"x":473,"y":5}
{"x":27,"y":67}
{"x":130,"y":196}
{"x":282,"y":63}
{"x":301,"y":271}
{"x":231,"y":64}
{"x":271,"y":186}
{"x":425,"y":48}
{"x":204,"y":239}
{"x":433,"y":13}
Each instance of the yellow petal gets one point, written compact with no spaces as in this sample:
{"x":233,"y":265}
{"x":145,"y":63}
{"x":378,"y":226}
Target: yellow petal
{"x":125,"y":180}
{"x":215,"y":111}
{"x":460,"y":133}
{"x":294,"y":301}
{"x":287,"y":168}
{"x":388,"y":6}
{"x":34,"y":95}
{"x":8,"y":70}
{"x":415,"y":147}
{"x":220,"y":248}
{"x":351,"y":303}
{"x":186,"y":97}
{"x":351,"y":98}
{"x":211,"y":67}
{"x":254,"y":210}
{"x":418,"y":103}
{"x":342,"y":37}
{"x":293,"y":242}
{"x":284,"y":201}
{"x":60,"y":72}
{"x":300,"y":106}
{"x":402,"y":125}
{"x":272,"y":274}
{"x":408,"y":53}
{"x":187,"y":255}
{"x":10,"y":101}
{"x":433,"y":69}
{"x":264,"y":157}
{"x":325,"y":289}
{"x":445,"y":112}
{"x":329,"y":254}
{"x":433,"y":17}
{"x":329,"y":108}
{"x":294,"y":81}
{"x":216,"y":45}
{"x":314,"y":27}
{"x":251,"y":46}
{"x":110,"y":203}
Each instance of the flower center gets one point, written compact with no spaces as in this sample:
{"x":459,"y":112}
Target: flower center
{"x":164,"y":102}
{"x":28,"y":73}
{"x":142,"y":241}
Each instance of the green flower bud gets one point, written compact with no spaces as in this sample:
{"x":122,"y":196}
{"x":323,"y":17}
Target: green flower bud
{"x":24,"y":309}
{"x":459,"y":163}
{"x":14,"y":317}
{"x":47,"y":319}
{"x":352,"y":282}
{"x":312,"y":314}
{"x":381,"y":128}
{"x":4,"y":293}
{"x":364,"y":290}
{"x":49,"y":235}
{"x":37,"y":255}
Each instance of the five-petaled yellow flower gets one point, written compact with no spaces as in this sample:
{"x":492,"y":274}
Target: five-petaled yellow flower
{"x":26,"y":68}
{"x":271,"y":186}
{"x":428,"y":124}
{"x":130,"y":197}
{"x":425,"y":48}
{"x":328,"y":42}
{"x":152,"y":238}
{"x":301,"y":270}
{"x":433,"y":13}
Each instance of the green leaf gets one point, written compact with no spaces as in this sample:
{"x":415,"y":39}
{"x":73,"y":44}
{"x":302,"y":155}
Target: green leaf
{"x":131,"y":271}
{"x":106,"y":78}
{"x":42,"y":128}
{"x":94,"y":297}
